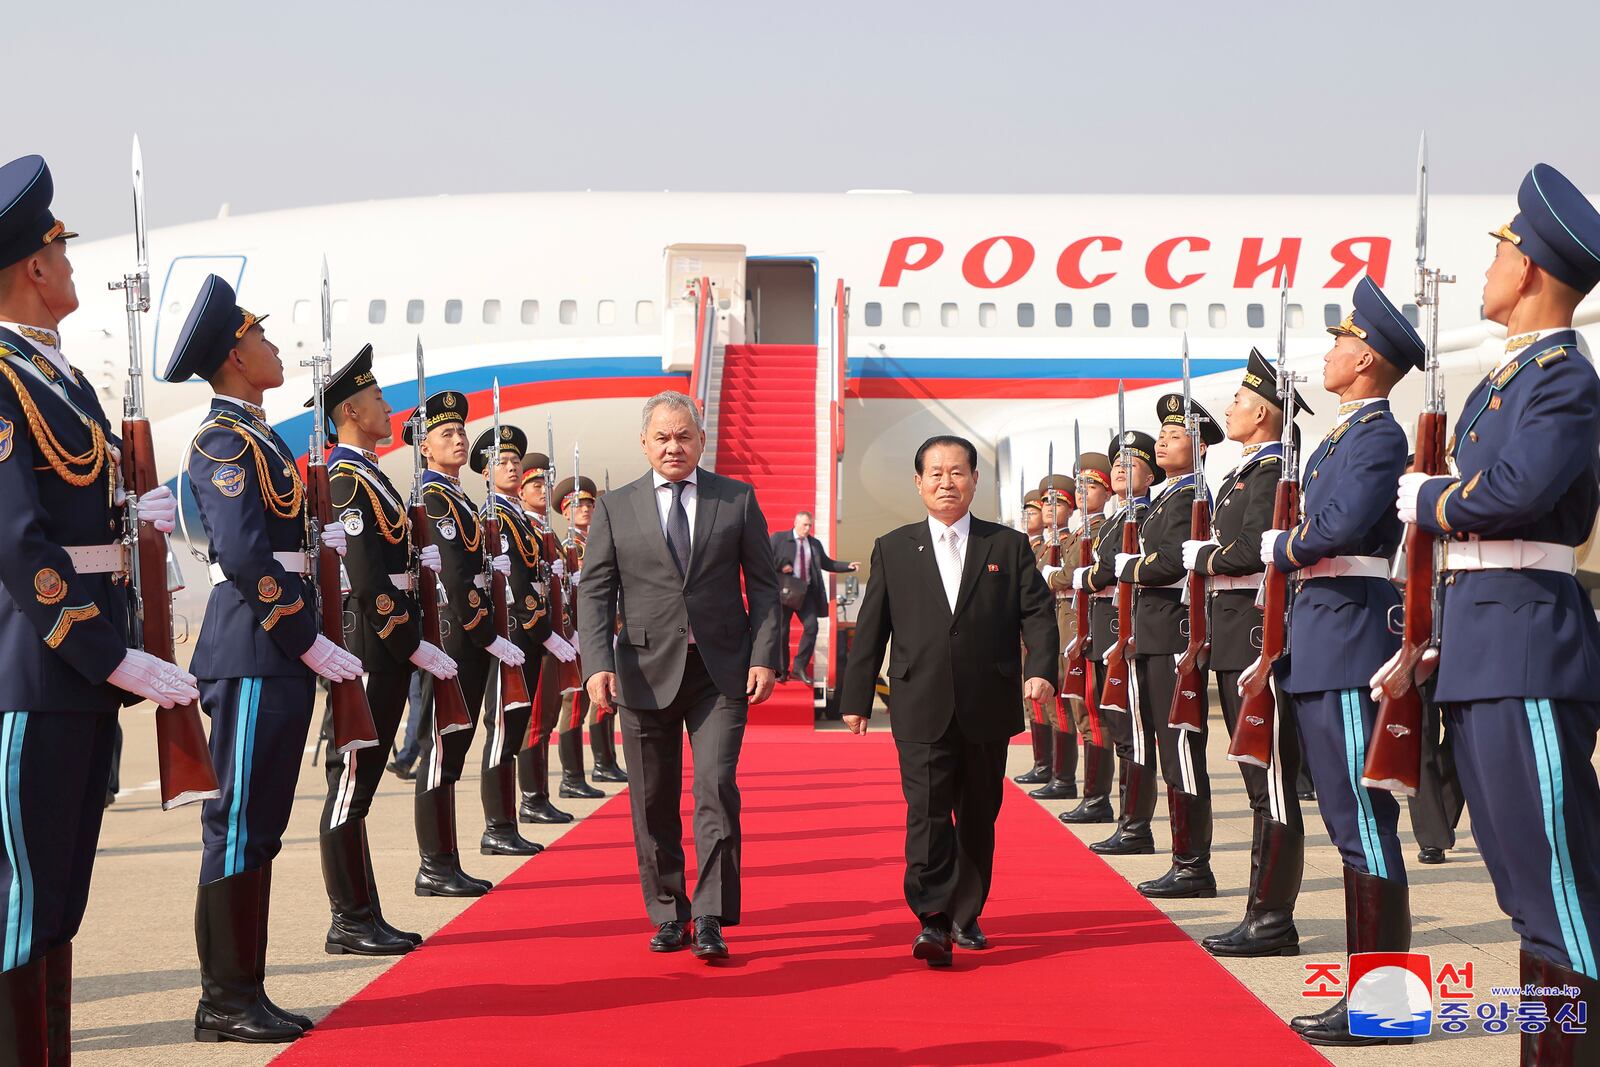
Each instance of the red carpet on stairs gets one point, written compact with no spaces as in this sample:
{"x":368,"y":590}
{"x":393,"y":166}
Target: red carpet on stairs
{"x":767,"y":436}
{"x":552,"y":966}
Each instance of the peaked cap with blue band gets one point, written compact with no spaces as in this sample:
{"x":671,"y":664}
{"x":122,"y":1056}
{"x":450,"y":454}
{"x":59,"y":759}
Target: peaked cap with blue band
{"x":1556,"y":227}
{"x":215,"y":326}
{"x":1376,"y":321}
{"x":26,"y":222}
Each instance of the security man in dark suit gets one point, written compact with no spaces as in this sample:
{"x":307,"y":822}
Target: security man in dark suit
{"x":1058,"y":500}
{"x":470,"y":640}
{"x":1135,"y":761}
{"x":1519,"y":667}
{"x":257,"y":656}
{"x":1340,"y":624}
{"x":798,"y":553}
{"x":949,"y":597}
{"x":382,"y":628}
{"x":1231,"y":560}
{"x":1161,"y":634}
{"x":575,"y":499}
{"x":1038,"y":725}
{"x":63,"y":623}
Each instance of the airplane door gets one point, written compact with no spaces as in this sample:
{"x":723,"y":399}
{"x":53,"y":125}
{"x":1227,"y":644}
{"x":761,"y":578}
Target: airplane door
{"x":686,"y":264}
{"x":177,"y":292}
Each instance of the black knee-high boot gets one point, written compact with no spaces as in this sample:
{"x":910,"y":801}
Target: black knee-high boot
{"x":500,"y":835}
{"x":440,"y":874}
{"x":573,"y":784}
{"x":1039,"y":773}
{"x":228,"y":937}
{"x":354,"y":928}
{"x":1098,"y":772}
{"x":533,"y":768}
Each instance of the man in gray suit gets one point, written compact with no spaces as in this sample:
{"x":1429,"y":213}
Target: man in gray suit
{"x":664,"y":560}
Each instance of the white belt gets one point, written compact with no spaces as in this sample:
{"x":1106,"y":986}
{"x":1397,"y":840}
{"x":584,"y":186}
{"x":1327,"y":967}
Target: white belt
{"x":1222,"y":583}
{"x":479,"y":581}
{"x":401,"y":582}
{"x":293,"y":562}
{"x":1347,"y":567}
{"x":1181,"y":583}
{"x":1510,"y":555}
{"x":98,"y":559}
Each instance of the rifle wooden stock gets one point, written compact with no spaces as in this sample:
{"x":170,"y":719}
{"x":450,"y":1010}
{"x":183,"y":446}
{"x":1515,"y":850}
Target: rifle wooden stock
{"x":1252,"y":736}
{"x":1394,"y":758}
{"x":449,"y":703}
{"x":1062,"y":719}
{"x":182,"y":753}
{"x":1080,"y":682}
{"x":1188,"y":709}
{"x":558,"y":622}
{"x":571,"y":673}
{"x":1119,"y":659}
{"x":513,"y":682}
{"x":352,"y":718}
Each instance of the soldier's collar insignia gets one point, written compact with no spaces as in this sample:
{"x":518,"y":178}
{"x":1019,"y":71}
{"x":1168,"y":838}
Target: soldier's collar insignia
{"x":1351,"y":407}
{"x":46,"y":368}
{"x":1250,"y":450}
{"x":1506,"y":373}
{"x":1521,"y":341}
{"x":40,"y":336}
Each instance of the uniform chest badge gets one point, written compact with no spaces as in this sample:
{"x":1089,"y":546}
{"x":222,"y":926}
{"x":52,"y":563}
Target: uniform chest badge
{"x":384,"y":603}
{"x":229,"y":479}
{"x":8,"y":434}
{"x":505,"y":544}
{"x":473,"y":599}
{"x":530,"y":602}
{"x":353,"y":522}
{"x":1238,"y":485}
{"x":1494,"y":402}
{"x":447,"y":530}
{"x":48,"y":586}
{"x":268,"y":589}
{"x":46,"y":368}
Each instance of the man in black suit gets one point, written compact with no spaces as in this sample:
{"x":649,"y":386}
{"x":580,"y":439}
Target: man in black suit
{"x":951,"y":596}
{"x":796,"y":552}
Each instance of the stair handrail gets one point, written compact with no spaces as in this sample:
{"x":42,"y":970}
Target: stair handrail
{"x":705,"y":332}
{"x":841,"y":364}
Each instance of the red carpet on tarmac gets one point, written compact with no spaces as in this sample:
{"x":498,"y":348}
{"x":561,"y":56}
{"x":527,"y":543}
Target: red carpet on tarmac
{"x":552,"y":966}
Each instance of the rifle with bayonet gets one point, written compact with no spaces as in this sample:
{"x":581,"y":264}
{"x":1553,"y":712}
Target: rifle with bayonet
{"x":513,"y":682}
{"x":1394,"y":759}
{"x":1079,"y":685}
{"x":1035,"y":707}
{"x":1252,"y":740}
{"x":1188,"y":710}
{"x":1119,"y":658}
{"x":182,"y":754}
{"x":564,"y":608}
{"x":353,"y":727}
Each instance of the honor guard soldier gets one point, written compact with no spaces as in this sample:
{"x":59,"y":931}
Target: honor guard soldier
{"x":1094,"y":475}
{"x":1038,"y":726}
{"x":382,"y":628}
{"x":257,"y":656}
{"x":575,"y":499}
{"x":1161,"y":635}
{"x":1137,"y":782}
{"x":528,"y":601}
{"x":470,"y":640}
{"x":1344,"y":620}
{"x":1059,"y":501}
{"x":1519,"y":667}
{"x":1231,"y":560}
{"x":63,"y":623}
{"x":533,"y":762}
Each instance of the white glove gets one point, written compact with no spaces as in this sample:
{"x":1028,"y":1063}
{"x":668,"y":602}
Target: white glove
{"x":1191,"y":552}
{"x":501,"y":563}
{"x":560,"y":648}
{"x":1078,"y":576}
{"x":1406,"y":498}
{"x":558,"y":568}
{"x":1123,"y":559}
{"x":333,"y":536}
{"x":573,"y":581}
{"x":573,"y":641}
{"x":1049,"y":572}
{"x":507,"y":653}
{"x":155,"y":679}
{"x":330,"y":661}
{"x":1077,"y":522}
{"x":1269,"y":546}
{"x":429,"y":558}
{"x":159,"y":508}
{"x":433,"y":659}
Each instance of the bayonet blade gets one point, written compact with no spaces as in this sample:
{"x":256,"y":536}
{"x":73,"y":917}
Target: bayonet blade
{"x":1422,"y":201}
{"x":327,"y":315}
{"x":140,"y":235}
{"x":1188,"y":403}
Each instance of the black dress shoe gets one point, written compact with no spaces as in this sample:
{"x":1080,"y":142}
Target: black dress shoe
{"x":403,"y":771}
{"x":932,"y":945}
{"x":970,"y":936}
{"x":670,"y":937}
{"x":1307,"y":794}
{"x":1332,"y":1027}
{"x":805,"y":677}
{"x":1055,"y":789}
{"x":1430,"y":855}
{"x":1090,"y":810}
{"x":573,"y":787}
{"x":609,"y":773}
{"x":1181,"y":882}
{"x":1037,"y":775}
{"x":708,"y":942}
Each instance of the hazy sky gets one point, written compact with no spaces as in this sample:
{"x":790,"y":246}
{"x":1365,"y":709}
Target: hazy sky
{"x":288,"y":103}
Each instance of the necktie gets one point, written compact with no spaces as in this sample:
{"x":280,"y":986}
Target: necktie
{"x":952,"y":580}
{"x":678,"y":528}
{"x":803,"y":557}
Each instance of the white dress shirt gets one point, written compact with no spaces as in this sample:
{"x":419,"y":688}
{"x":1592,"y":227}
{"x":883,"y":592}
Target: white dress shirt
{"x":691,"y":496}
{"x":951,"y":564}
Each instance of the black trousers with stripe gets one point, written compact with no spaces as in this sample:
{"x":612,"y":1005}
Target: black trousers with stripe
{"x":442,"y":758}
{"x":506,"y":729}
{"x":354,"y":776}
{"x":1272,"y":791}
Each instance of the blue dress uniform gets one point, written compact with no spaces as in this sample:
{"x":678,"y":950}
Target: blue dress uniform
{"x":1343,"y":626}
{"x":259,"y":621}
{"x":62,"y":634}
{"x":1519,"y":667}
{"x":381,"y":628}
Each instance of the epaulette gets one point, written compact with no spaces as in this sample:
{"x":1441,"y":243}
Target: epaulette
{"x":342,"y":469}
{"x":1555,"y":355}
{"x":245,"y":443}
{"x":1345,"y":428}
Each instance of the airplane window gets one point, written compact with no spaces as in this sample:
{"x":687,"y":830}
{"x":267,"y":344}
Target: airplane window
{"x":1178,"y":315}
{"x":1025,"y":315}
{"x":413,"y":311}
{"x":1410,"y":312}
{"x":911,"y":315}
{"x":1102,"y":315}
{"x":1063,"y":315}
{"x":949,"y":315}
{"x":377,"y":310}
{"x":302,"y":312}
{"x":644,"y":313}
{"x":530,"y":312}
{"x":452,"y":312}
{"x":1255,"y":316}
{"x":341,"y":311}
{"x":1330,"y":315}
{"x":1141,"y":315}
{"x":986,"y":315}
{"x":874,"y":313}
{"x":1297,"y":316}
{"x":606,"y":312}
{"x":491,"y":311}
{"x":567,"y":312}
{"x":1217,"y":315}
